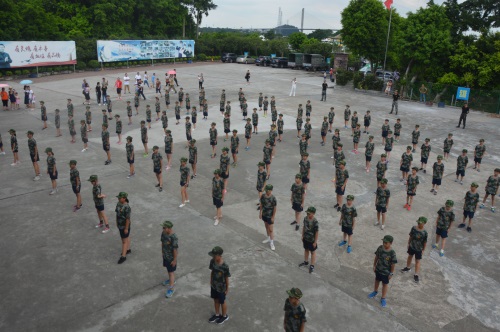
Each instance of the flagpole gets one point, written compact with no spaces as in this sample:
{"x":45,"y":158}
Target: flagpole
{"x":387,"y":42}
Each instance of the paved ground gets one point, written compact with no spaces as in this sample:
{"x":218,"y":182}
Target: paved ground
{"x":60,"y":274}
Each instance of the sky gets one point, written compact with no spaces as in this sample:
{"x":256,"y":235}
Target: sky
{"x":319,"y":14}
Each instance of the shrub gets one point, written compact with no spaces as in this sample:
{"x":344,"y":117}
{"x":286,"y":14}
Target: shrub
{"x":80,"y":65}
{"x":8,"y":73}
{"x":358,"y":77}
{"x":1,"y":74}
{"x":343,"y":76}
{"x":371,"y":82}
{"x":17,"y":72}
{"x":25,"y":71}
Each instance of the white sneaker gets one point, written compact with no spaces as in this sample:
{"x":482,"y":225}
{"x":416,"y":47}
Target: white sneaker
{"x":52,"y":192}
{"x":216,"y":222}
{"x":3,"y":152}
{"x":272,"y":246}
{"x":266,"y":240}
{"x":382,"y":227}
{"x":84,"y":150}
{"x":36,"y":178}
{"x":376,"y":223}
{"x":182,"y":205}
{"x":13,"y":164}
{"x":186,"y":201}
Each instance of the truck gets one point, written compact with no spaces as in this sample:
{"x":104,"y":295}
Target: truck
{"x":314,"y":62}
{"x":296,"y":60}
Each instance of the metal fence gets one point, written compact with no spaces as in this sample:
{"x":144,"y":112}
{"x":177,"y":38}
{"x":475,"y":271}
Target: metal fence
{"x":479,"y":99}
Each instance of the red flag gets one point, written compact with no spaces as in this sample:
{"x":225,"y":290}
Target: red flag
{"x":388,"y":4}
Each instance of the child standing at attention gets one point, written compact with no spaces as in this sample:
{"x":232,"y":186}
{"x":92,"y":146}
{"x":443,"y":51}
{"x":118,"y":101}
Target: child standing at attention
{"x":479,"y":152}
{"x":188,"y":103}
{"x":437,"y":174}
{"x":169,"y":247}
{"x":416,"y":247}
{"x":492,"y":188}
{"x":347,"y":221}
{"x":57,"y":121}
{"x":411,"y":187}
{"x":414,"y":137}
{"x":471,"y":201}
{"x":310,"y":233}
{"x":295,"y":313}
{"x":367,"y":122}
{"x":157,"y":108}
{"x":148,"y":116}
{"x":397,"y":130}
{"x":383,"y":265}
{"x":385,"y":130}
{"x":129,"y":147}
{"x":448,"y":143}
{"x":462,"y":162}
{"x":425,"y":150}
{"x":444,"y":220}
{"x":219,"y":285}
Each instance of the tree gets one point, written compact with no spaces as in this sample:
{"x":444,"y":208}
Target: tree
{"x":296,"y":39}
{"x":364,"y":29}
{"x":314,"y":46}
{"x":320,"y":34}
{"x":198,"y":8}
{"x":270,"y":34}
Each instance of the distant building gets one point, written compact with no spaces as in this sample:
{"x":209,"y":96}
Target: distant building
{"x":286,"y":30}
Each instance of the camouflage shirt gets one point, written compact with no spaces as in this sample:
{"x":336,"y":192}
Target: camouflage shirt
{"x":156,"y":157}
{"x":177,"y":110}
{"x":273,"y":103}
{"x":342,"y":176}
{"x":356,"y":136}
{"x":331,"y":116}
{"x":414,"y":136}
{"x":104,"y":118}
{"x":324,"y":127}
{"x":119,"y":127}
{"x":248,"y":130}
{"x":272,"y":136}
{"x":188,"y":128}
{"x":129,"y":111}
{"x":418,"y":238}
{"x":382,"y":196}
{"x":51,"y":163}
{"x":148,"y":114}
{"x":347,"y":114}
{"x":57,"y":120}
{"x":32,"y":146}
{"x":385,"y":127}
{"x":267,"y":153}
{"x":144,"y":134}
{"x":299,"y":123}
{"x":397,"y":128}
{"x":335,"y":141}
{"x":217,"y":187}
{"x":354,"y":121}
{"x":194,"y":114}
{"x":381,"y":168}
{"x":227,"y":124}
{"x":385,"y":259}
{"x":88,"y":116}
{"x":169,"y":243}
{"x":223,"y":98}
{"x":300,"y":112}
{"x":96,"y":191}
{"x":70,"y":110}
{"x":425,"y":150}
{"x":437,"y":170}
{"x":193,"y":154}
{"x":338,"y":157}
{"x":261,"y":179}
{"x":74,"y":175}
{"x":255,"y":119}
{"x":72,"y":130}
{"x":224,"y":163}
{"x":471,"y":200}
{"x":492,"y":185}
{"x":266,"y":104}
{"x":157,"y":107}
{"x":122,"y":214}
{"x":105,"y":137}
{"x":307,"y":129}
{"x":369,"y":149}
{"x":181,"y":95}
{"x":164,"y":121}
{"x":43,"y":111}
{"x":184,"y":174}
{"x":308,"y":108}
{"x":219,"y":275}
{"x":294,"y":316}
{"x":188,"y":102}
{"x":213,"y":134}
{"x":445,"y":218}
{"x":274,"y":114}
{"x":480,"y":149}
{"x":388,"y":143}
{"x":448,"y":143}
{"x":303,"y":147}
{"x":310,"y":229}
{"x":129,"y":147}
{"x":136,"y":100}
{"x":462,"y":162}
{"x":298,"y":192}
{"x":281,"y":124}
{"x":268,"y":204}
{"x":406,"y":160}
{"x":109,"y":104}
{"x":368,"y":119}
{"x":167,"y":99}
{"x":412,"y":184}
{"x":168,"y":143}
{"x":228,"y":109}
{"x":235,"y":142}
{"x":261,"y":99}
{"x":348,"y":215}
{"x":305,"y":166}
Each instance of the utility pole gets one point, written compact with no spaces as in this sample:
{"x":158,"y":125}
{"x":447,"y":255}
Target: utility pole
{"x":184,"y":27}
{"x":302,"y":21}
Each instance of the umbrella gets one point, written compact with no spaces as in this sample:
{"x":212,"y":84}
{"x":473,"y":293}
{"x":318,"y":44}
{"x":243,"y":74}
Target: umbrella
{"x":26,"y":82}
{"x":172,"y":72}
{"x":4,"y":85}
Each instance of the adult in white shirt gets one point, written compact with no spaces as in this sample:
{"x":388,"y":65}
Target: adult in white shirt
{"x":294,"y":87}
{"x":126,"y":83}
{"x":137,"y":79}
{"x":146,"y":77}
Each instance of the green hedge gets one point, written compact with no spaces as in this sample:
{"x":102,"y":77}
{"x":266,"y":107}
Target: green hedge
{"x":343,"y":77}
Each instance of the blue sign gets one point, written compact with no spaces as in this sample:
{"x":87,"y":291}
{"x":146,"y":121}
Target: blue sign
{"x":273,"y":55}
{"x":328,"y":60}
{"x":463,"y":93}
{"x":245,"y":53}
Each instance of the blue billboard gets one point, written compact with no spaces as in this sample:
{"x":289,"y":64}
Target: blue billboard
{"x":123,"y":50}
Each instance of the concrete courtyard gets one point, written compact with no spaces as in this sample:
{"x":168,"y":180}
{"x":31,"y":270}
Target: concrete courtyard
{"x":58,"y":273}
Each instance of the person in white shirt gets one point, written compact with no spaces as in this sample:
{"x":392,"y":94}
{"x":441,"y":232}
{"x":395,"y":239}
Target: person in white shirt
{"x":145,"y":82}
{"x":126,"y":83}
{"x":294,"y":86}
{"x":137,"y":79}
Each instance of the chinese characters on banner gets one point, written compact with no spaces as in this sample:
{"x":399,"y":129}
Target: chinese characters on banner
{"x":31,"y":53}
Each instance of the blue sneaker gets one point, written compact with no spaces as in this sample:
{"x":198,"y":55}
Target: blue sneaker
{"x":383,"y":303}
{"x":343,"y":243}
{"x":372,"y":295}
{"x":349,"y":249}
{"x":170,"y":292}
{"x":167,"y":282}
{"x":434,"y":246}
{"x":441,"y":253}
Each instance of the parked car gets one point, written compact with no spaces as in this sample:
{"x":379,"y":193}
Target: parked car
{"x":228,"y":57}
{"x":385,"y":76}
{"x":245,"y":59}
{"x":263,"y":61}
{"x":279,"y":62}
{"x":314,"y":62}
{"x":296,"y":60}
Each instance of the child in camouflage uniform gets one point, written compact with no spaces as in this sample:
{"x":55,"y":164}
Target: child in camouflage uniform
{"x":57,"y":121}
{"x":492,"y":189}
{"x":184,"y":182}
{"x":338,"y":155}
{"x":157,"y":167}
{"x":347,"y":115}
{"x":305,"y":169}
{"x":228,"y":108}
{"x":109,"y":105}
{"x":335,"y":141}
{"x":261,"y":180}
{"x":177,"y":111}
{"x":188,"y":127}
{"x":164,"y":121}
{"x":303,"y":145}
{"x":213,"y":138}
{"x":194,"y":117}
{"x":137,"y":102}
{"x":281,"y":125}
{"x":307,"y":129}
{"x":414,"y":137}
{"x":188,"y":103}
{"x":248,"y":133}
{"x":324,"y":130}
{"x":193,"y":157}
{"x":219,"y":285}
{"x":381,"y":169}
{"x":235,"y":145}
{"x":389,"y":143}
{"x":425,"y":150}
{"x":383,"y":265}
{"x":310,"y":233}
{"x":448,"y":143}
{"x":471,"y":201}
{"x":104,"y":117}
{"x":261,"y":99}
{"x":444,"y":220}
{"x":123,"y":222}
{"x":35,"y":157}
{"x":222,"y":101}
{"x":255,"y":121}
{"x":355,"y":139}
{"x":385,"y":130}
{"x":267,"y":213}
{"x":224,"y":166}
{"x":299,"y":122}
{"x":331,"y":118}
{"x":411,"y":187}
{"x":88,"y":119}
{"x":342,"y":177}
{"x":405,"y":164}
{"x":297,"y":199}
{"x":144,"y":138}
{"x":354,"y":122}
{"x":218,"y":195}
{"x":72,"y":130}
{"x":274,"y":114}
{"x":479,"y":152}
{"x":167,"y":97}
{"x":227,"y":126}
{"x":169,"y":147}
{"x":129,"y":112}
{"x":244,"y":109}
{"x":98,"y":197}
{"x":129,"y":148}
{"x":347,"y":221}
{"x":416,"y":246}
{"x":14,"y":147}
{"x":367,"y":122}
{"x":76,"y":184}
{"x":272,"y":138}
{"x":308,"y":109}
{"x":157,"y":108}
{"x":369,"y":147}
{"x":382,"y":202}
{"x":437,"y":174}
{"x":105,"y":143}
{"x":462,"y":162}
{"x":295,"y":313}
{"x":169,"y":248}
{"x":51,"y":169}
{"x":397,"y":130}
{"x":43,"y":111}
{"x":181,"y":96}
{"x":268,"y":150}
{"x":148,"y":116}
{"x":118,"y":128}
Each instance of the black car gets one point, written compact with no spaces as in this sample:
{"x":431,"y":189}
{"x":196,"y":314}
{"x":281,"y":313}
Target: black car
{"x":228,"y":57}
{"x":263,"y":61}
{"x":279,"y":62}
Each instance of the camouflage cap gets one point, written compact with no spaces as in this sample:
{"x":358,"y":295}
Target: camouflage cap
{"x":72,"y":162}
{"x":388,"y":238}
{"x":439,"y":157}
{"x":48,"y":150}
{"x":225,"y":149}
{"x":213,"y":124}
{"x":383,"y":181}
{"x":184,"y":159}
{"x":350,"y":197}
{"x":122,"y":194}
{"x":105,"y":125}
{"x":193,"y":141}
{"x":422,"y":220}
{"x":269,"y":187}
{"x":337,"y":130}
{"x":427,"y":139}
{"x":143,"y":122}
{"x":304,"y":135}
{"x":42,"y":102}
{"x":261,"y":163}
{"x":298,"y":176}
{"x":248,"y":119}
{"x":12,"y":131}
{"x":311,"y":209}
{"x":464,"y":151}
{"x":167,"y":224}
{"x":389,"y":132}
{"x":450,"y":134}
{"x":273,"y":125}
{"x":156,"y":147}
{"x":57,"y":110}
{"x":117,"y":115}
{"x":92,"y":178}
{"x":216,"y":251}
{"x":325,"y":117}
{"x":383,"y":155}
{"x":235,"y":130}
{"x":295,"y":293}
{"x":408,"y":147}
{"x":497,"y":170}
{"x":415,"y":168}
{"x":340,"y":144}
{"x":30,"y":133}
{"x":82,"y":121}
{"x":342,"y":162}
{"x":129,"y":138}
{"x":168,"y":131}
{"x":268,"y":141}
{"x":281,"y":114}
{"x":217,"y":171}
{"x":474,"y":184}
{"x":481,"y":140}
{"x":306,"y":154}
{"x":449,"y":203}
{"x":371,"y":137}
